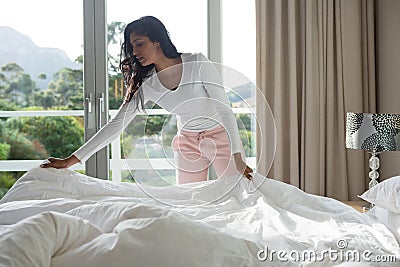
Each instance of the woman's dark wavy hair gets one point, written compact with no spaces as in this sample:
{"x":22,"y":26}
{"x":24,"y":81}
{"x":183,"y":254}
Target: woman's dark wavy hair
{"x":134,"y":73}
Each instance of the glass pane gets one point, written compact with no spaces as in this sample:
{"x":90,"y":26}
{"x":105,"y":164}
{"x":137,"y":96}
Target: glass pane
{"x":239,"y":36}
{"x":239,"y":59}
{"x":144,"y":138}
{"x":40,"y":75}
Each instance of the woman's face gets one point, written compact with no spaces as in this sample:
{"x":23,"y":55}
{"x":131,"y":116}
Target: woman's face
{"x":146,"y":51}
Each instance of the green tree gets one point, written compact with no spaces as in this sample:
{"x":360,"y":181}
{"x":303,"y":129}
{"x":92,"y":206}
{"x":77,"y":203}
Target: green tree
{"x":7,"y":180}
{"x":115,"y":84}
{"x":147,"y":125}
{"x":248,"y":142}
{"x":12,"y":68}
{"x":115,"y":29}
{"x":244,"y":120}
{"x":246,"y":135}
{"x":3,"y":82}
{"x":19,"y":87}
{"x":20,"y":146}
{"x":61,"y":136}
{"x":4,"y":151}
{"x":45,"y":99}
{"x":7,"y":105}
{"x":79,"y":59}
{"x":12,"y":71}
{"x":42,"y":76}
{"x":26,"y":86}
{"x":115,"y":91}
{"x":67,"y":86}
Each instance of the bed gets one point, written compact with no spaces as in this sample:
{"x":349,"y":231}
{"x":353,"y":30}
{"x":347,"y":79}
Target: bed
{"x":62,"y":218}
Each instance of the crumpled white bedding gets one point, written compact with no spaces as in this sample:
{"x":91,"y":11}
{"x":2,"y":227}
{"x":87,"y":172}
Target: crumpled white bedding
{"x":62,"y":218}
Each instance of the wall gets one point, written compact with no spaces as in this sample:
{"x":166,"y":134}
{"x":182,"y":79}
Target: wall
{"x":388,"y":72}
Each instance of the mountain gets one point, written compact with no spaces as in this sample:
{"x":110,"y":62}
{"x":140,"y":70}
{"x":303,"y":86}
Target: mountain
{"x":18,"y":48}
{"x":243,"y":95}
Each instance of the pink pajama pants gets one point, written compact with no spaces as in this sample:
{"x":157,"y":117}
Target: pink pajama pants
{"x":194,"y":152}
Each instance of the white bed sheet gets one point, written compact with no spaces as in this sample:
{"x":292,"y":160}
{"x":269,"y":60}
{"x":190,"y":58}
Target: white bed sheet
{"x":62,"y":218}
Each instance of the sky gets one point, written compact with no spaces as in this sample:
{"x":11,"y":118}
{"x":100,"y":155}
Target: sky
{"x":59,"y":24}
{"x":47,"y":22}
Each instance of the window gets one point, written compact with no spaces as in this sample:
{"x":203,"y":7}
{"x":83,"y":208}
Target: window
{"x":143,"y":147}
{"x":239,"y":60}
{"x":41,"y":83}
{"x":149,"y":156}
{"x":55,"y":95}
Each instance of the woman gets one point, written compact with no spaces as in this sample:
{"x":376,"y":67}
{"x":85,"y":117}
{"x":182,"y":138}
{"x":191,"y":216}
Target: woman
{"x":187,"y":85}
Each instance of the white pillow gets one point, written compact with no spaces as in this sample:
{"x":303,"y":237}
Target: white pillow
{"x":385,"y":194}
{"x":36,"y":239}
{"x":390,"y":219}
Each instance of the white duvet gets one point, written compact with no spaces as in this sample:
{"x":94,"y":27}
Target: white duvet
{"x":62,"y":218}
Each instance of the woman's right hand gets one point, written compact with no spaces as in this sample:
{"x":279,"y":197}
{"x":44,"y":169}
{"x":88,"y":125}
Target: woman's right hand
{"x":60,"y":163}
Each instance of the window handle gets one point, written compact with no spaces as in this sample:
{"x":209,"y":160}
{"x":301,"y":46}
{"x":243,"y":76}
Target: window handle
{"x":88,"y":109}
{"x":101,"y":108}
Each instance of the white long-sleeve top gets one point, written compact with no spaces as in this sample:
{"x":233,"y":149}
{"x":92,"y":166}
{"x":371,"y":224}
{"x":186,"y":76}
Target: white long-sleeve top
{"x":199,"y":102}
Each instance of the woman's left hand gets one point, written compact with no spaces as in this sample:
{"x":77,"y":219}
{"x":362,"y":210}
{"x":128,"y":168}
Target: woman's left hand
{"x":242,"y":167}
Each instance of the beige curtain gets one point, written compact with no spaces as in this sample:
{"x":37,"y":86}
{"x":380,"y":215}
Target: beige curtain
{"x":315,"y":62}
